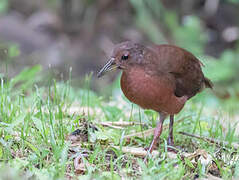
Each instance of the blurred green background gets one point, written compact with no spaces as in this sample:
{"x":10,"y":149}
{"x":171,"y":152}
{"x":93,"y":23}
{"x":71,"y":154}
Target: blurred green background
{"x":63,"y":34}
{"x":48,"y":46}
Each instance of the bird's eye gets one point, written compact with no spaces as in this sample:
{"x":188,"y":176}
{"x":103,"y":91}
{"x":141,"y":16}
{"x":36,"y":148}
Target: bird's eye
{"x":124,"y":57}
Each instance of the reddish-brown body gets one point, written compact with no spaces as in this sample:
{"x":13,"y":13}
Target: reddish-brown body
{"x":151,"y":91}
{"x":160,"y":77}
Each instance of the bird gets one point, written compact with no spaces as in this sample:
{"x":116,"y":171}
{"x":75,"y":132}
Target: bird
{"x":157,"y":77}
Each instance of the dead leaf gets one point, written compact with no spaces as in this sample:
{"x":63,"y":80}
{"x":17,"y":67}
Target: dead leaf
{"x":80,"y":165}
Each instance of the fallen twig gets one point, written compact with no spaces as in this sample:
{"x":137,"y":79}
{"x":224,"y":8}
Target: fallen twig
{"x":139,"y":152}
{"x":149,"y":132}
{"x":211,"y":140}
{"x":111,"y":126}
{"x":121,"y":123}
{"x":146,"y":133}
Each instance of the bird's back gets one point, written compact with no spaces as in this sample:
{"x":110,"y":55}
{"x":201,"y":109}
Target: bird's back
{"x":184,"y":67}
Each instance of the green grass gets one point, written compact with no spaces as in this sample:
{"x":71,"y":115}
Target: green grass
{"x":36,"y":120}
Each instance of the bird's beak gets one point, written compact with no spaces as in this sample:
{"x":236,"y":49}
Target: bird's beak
{"x":109,"y":66}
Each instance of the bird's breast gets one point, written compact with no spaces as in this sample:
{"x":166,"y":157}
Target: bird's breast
{"x":150,"y":91}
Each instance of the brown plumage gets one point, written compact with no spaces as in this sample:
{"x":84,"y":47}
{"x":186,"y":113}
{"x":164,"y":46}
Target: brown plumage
{"x":160,"y":77}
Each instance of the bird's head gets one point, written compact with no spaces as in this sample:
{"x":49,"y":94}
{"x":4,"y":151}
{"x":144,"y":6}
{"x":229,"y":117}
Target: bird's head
{"x":124,"y":55}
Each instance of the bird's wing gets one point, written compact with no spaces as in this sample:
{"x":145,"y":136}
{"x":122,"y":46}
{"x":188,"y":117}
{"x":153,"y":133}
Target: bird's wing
{"x":189,"y":77}
{"x":185,"y":68}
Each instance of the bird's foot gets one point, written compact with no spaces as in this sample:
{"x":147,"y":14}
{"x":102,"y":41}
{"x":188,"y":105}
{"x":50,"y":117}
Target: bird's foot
{"x":153,"y":146}
{"x":172,"y":149}
{"x":171,"y":146}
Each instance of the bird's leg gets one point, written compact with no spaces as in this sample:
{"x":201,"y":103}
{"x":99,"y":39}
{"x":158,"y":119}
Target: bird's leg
{"x":157,"y":132}
{"x":170,"y":140}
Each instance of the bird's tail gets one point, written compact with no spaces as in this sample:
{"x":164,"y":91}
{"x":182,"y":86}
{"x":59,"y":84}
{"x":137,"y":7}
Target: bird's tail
{"x":208,"y":83}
